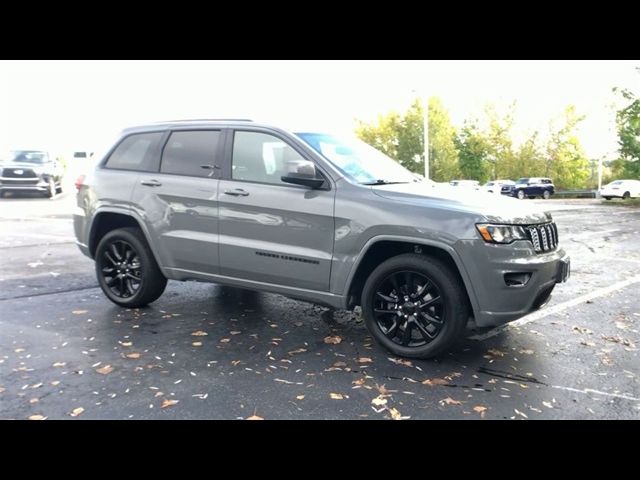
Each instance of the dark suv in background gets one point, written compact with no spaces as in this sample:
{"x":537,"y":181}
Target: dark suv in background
{"x":531,"y":187}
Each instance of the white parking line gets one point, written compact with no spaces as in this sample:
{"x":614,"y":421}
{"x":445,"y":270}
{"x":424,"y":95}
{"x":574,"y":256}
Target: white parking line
{"x":558,"y":308}
{"x":587,"y":391}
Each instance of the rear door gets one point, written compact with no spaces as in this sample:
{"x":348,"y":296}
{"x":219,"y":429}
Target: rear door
{"x":179,"y":202}
{"x":271,"y":231}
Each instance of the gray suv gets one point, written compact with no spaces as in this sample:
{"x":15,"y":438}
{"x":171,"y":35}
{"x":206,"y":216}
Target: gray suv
{"x":315,"y":217}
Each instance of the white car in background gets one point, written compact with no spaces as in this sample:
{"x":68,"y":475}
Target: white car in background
{"x":621,"y":189}
{"x":495,"y":186}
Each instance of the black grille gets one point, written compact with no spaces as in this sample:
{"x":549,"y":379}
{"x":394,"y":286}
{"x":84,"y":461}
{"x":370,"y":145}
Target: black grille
{"x":11,"y":173}
{"x":544,"y":237}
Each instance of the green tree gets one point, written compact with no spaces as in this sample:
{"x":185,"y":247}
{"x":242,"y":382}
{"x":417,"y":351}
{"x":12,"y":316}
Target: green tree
{"x":401,"y":136}
{"x":628,"y":126}
{"x":473,"y":152}
{"x":566,"y":161}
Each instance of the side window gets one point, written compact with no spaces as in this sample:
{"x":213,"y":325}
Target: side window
{"x":191,"y":153}
{"x":260,"y":157}
{"x":133,"y":153}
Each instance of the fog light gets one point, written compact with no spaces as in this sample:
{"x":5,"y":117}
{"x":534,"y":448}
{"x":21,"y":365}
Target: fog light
{"x":517,"y":279}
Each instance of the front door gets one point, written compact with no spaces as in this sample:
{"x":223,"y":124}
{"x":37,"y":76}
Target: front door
{"x":271,"y":231}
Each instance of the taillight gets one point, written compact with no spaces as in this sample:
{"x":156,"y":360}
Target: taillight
{"x":79,"y":182}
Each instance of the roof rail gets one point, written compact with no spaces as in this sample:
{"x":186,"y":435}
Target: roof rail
{"x":208,"y":120}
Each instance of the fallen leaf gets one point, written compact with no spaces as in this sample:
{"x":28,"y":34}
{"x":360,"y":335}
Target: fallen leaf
{"x":55,"y":382}
{"x":520,"y":413}
{"x":399,"y":361}
{"x":451,"y":401}
{"x":34,"y":400}
{"x":364,"y":360}
{"x":126,"y":344}
{"x":360,"y":381}
{"x":37,"y":417}
{"x":59,"y":364}
{"x":300,"y":397}
{"x":435,"y":381}
{"x":105,"y":370}
{"x":395,"y":414}
{"x":133,"y":355}
{"x":254,"y":417}
{"x":526,"y":351}
{"x":166,"y":403}
{"x":495,"y":352}
{"x":547,"y":404}
{"x":379,"y":401}
{"x":19,"y":350}
{"x":235,"y":332}
{"x":480,"y":409}
{"x":225,"y":340}
{"x":197,"y":344}
{"x":79,"y":312}
{"x":199,"y":333}
{"x":76,"y":411}
{"x":332,"y":339}
{"x":299,"y":350}
{"x":37,"y":385}
{"x":336,"y":396}
{"x":340,"y":364}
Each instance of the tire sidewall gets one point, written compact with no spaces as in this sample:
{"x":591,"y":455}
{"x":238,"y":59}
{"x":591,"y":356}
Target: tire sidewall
{"x":546,"y":195}
{"x":442,"y":278}
{"x":144,"y":267}
{"x":520,"y":194}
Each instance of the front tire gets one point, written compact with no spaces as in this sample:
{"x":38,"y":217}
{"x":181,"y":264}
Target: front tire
{"x":546,"y":194}
{"x":51,"y":188}
{"x":415,"y":305}
{"x":625,"y":195}
{"x":520,"y":195}
{"x":126,"y":269}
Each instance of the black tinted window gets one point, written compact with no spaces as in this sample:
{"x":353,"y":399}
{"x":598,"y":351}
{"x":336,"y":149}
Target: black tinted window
{"x":187,"y":152}
{"x":134,"y":152}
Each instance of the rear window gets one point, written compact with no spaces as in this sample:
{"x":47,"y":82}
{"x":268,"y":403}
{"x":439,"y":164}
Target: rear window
{"x":191,"y":153}
{"x":135,"y":152}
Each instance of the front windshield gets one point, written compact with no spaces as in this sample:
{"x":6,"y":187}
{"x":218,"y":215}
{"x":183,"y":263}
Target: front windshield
{"x":358,"y":160}
{"x":28,"y":156}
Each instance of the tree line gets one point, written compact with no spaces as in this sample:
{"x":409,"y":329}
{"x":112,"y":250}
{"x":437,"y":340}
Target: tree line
{"x":483,"y":148}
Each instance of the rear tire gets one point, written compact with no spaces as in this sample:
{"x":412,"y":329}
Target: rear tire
{"x":520,"y":194}
{"x":127,"y":270}
{"x":546,"y":194}
{"x":607,"y":198}
{"x":393,"y":304}
{"x":625,"y":195}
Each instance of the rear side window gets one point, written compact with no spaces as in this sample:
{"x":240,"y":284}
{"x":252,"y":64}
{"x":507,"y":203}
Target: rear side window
{"x":191,"y":153}
{"x":135,"y":152}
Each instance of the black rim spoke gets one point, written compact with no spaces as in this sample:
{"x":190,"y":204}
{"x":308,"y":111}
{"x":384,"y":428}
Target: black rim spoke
{"x":120,"y":267}
{"x":405,"y":301}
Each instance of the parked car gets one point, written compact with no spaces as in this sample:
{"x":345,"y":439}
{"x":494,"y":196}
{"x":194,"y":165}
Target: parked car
{"x":31,"y":170}
{"x":314,"y":217}
{"x":621,"y":189}
{"x":496,"y":186}
{"x":531,"y":187}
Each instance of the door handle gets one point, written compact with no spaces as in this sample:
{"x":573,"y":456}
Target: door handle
{"x":238,"y":192}
{"x":151,"y":183}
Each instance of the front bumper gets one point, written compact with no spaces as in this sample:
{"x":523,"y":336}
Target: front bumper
{"x":32,"y":184}
{"x":489,"y":264}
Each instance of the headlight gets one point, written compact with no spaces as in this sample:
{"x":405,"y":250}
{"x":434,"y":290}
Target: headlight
{"x":501,"y":233}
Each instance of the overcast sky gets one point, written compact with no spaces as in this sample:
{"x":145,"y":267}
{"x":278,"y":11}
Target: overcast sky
{"x":75,"y":104}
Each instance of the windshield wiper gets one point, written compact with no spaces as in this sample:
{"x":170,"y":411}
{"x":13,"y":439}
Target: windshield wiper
{"x":382,"y":182}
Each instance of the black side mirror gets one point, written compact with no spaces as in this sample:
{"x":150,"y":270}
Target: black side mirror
{"x":303,"y":172}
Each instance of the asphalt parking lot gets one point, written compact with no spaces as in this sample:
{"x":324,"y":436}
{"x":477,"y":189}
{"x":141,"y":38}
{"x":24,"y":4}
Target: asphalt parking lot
{"x":210,"y":352}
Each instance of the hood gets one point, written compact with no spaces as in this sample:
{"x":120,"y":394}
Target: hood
{"x":494,"y":208}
